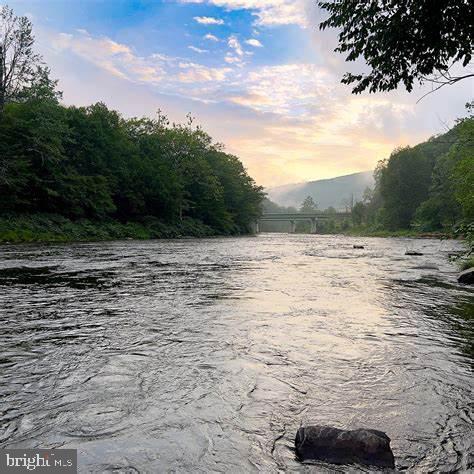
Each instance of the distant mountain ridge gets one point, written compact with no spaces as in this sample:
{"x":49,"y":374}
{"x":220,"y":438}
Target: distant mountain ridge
{"x":326,"y":192}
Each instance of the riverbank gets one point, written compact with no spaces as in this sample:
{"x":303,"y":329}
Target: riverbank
{"x":56,"y":228}
{"x":409,"y":233}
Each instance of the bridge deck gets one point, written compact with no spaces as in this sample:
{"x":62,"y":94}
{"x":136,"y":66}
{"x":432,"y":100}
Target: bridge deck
{"x":300,"y":216}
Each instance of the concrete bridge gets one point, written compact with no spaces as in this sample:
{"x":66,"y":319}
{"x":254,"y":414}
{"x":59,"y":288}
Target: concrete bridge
{"x":292,"y":218}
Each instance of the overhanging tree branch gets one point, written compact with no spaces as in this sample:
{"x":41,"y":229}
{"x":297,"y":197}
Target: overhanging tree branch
{"x":402,"y":41}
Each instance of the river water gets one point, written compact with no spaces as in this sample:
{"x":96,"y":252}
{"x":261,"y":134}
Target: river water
{"x":207,"y":355}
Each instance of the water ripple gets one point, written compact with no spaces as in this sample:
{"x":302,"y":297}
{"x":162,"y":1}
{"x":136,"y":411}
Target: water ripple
{"x":207,"y":355}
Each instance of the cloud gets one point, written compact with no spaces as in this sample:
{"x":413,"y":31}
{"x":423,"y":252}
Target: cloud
{"x":291,"y":90}
{"x":199,"y":73}
{"x":234,"y":43}
{"x":121,"y":61}
{"x":268,"y":12}
{"x":231,"y":59}
{"x":118,"y":59}
{"x":211,"y":37}
{"x":250,"y":100}
{"x":304,"y":93}
{"x":208,"y":20}
{"x":288,"y":122}
{"x":254,"y":42}
{"x":198,"y":50}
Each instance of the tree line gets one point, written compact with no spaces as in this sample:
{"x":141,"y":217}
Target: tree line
{"x":428,"y":187}
{"x":92,"y":163}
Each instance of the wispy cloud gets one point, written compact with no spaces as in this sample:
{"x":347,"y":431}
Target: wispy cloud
{"x":299,"y":91}
{"x":199,"y":73}
{"x":277,"y":114}
{"x":116,"y":58}
{"x":121,"y":61}
{"x":231,"y":59}
{"x":211,"y":37}
{"x":267,"y":12}
{"x":254,"y":42}
{"x":234,"y":43}
{"x":208,"y":20}
{"x":198,"y":50}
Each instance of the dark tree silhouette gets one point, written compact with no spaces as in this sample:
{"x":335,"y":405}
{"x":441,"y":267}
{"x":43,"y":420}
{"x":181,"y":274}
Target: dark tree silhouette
{"x":18,"y":62}
{"x":403,"y":41}
{"x":308,"y":205}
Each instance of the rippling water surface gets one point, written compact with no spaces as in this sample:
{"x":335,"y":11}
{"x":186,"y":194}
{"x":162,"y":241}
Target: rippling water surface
{"x":207,"y":355}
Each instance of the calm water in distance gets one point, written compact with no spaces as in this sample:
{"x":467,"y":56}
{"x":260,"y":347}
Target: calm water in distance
{"x":207,"y":355}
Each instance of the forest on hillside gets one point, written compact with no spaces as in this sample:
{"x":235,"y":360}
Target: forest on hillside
{"x":91,"y":163}
{"x":87,"y":172}
{"x":427,"y":188}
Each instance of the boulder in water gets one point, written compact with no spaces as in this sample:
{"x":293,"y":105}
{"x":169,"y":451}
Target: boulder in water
{"x":358,"y":246}
{"x":363,"y":446}
{"x":413,"y":252}
{"x":467,"y":276}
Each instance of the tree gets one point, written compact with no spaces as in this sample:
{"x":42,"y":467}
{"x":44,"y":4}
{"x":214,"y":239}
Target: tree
{"x":308,"y":205}
{"x":402,"y":40}
{"x":404,"y":185}
{"x":358,"y":213}
{"x":18,"y":62}
{"x":348,"y":203}
{"x":41,"y":87}
{"x":463,"y":173}
{"x":441,"y":210}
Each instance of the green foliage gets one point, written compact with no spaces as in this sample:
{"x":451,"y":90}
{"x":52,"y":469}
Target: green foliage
{"x":466,"y":263}
{"x":416,"y":187}
{"x":462,"y":155}
{"x":427,"y":189}
{"x":359,"y":213}
{"x":466,"y":230}
{"x":90,"y":163}
{"x":404,"y":185}
{"x":402,"y":41}
{"x":441,"y":210}
{"x":57,"y":228}
{"x":81,"y":165}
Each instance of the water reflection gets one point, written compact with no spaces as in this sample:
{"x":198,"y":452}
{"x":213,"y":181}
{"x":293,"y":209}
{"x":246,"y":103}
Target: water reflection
{"x":199,"y":356}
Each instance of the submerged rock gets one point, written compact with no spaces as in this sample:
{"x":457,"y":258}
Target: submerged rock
{"x":413,"y":252}
{"x":325,"y":443}
{"x":467,"y":276}
{"x":358,"y":246}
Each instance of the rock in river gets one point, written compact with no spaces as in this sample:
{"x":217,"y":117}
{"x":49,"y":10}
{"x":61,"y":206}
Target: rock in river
{"x":467,"y":276}
{"x":413,"y":252}
{"x":325,"y":443}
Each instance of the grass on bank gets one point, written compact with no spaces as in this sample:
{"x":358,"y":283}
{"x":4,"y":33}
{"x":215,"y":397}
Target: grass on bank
{"x":55,"y":228}
{"x":464,"y":264}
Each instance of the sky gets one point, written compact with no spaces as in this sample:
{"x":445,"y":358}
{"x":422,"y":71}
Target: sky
{"x":258,"y":75}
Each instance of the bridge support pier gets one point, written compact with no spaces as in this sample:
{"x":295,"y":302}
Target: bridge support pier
{"x":292,"y":217}
{"x":255,"y":227}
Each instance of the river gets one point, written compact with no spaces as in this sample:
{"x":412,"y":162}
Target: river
{"x":207,"y":355}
